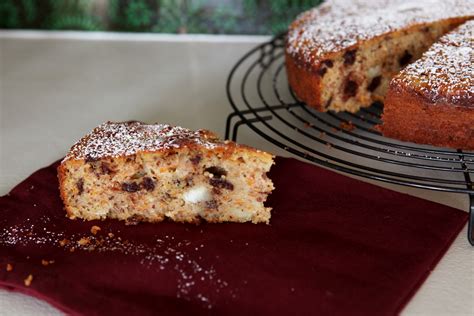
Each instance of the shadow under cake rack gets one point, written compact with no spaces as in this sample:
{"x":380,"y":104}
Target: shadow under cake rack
{"x":261,"y":98}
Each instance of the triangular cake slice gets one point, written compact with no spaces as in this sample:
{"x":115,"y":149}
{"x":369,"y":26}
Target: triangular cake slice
{"x":149,"y":172}
{"x":431,"y":101}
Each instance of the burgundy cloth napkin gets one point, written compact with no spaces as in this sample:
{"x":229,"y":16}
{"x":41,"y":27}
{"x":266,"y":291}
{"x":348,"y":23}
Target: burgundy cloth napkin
{"x":335,"y":246}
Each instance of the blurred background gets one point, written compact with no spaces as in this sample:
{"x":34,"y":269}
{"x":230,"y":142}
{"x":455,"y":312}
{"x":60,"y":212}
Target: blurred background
{"x":156,"y":16}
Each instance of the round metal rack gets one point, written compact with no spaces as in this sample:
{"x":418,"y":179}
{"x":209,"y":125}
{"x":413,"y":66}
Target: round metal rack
{"x":261,"y":98}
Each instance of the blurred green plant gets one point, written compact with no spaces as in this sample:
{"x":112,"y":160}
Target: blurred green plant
{"x":133,"y":15}
{"x":166,"y":16}
{"x":48,"y":14}
{"x":274,"y":16}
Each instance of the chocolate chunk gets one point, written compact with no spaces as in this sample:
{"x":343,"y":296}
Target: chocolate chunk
{"x":212,"y":204}
{"x":374,"y":84}
{"x":130,"y":187}
{"x":148,"y":184}
{"x":328,"y":103}
{"x":328,"y":63}
{"x":350,"y":57}
{"x":322,"y":71}
{"x":217,"y":172}
{"x":405,"y":59}
{"x":80,"y":186}
{"x":350,"y":89}
{"x":90,"y":159}
{"x":196,"y":159}
{"x":105,"y":168}
{"x":325,"y":64}
{"x":221,"y":183}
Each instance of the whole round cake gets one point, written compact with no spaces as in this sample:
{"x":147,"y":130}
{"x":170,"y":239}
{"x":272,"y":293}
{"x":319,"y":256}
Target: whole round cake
{"x":342,"y":55}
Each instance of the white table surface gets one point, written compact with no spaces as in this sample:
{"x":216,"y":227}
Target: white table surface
{"x":54,"y":87}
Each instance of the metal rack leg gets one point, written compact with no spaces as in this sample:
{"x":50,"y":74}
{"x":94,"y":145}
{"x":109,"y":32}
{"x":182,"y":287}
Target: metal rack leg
{"x":237,"y":124}
{"x":470,"y":224}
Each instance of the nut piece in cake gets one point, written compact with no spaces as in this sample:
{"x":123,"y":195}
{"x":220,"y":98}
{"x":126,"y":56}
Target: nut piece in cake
{"x":148,"y":172}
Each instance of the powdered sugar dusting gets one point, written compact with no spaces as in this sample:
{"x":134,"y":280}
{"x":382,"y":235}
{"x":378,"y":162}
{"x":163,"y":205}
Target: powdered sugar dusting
{"x":446,"y":71}
{"x":340,"y":24}
{"x":127,"y":138}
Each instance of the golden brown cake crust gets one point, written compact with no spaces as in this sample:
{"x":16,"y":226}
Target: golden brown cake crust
{"x":409,"y":116}
{"x":128,"y":138}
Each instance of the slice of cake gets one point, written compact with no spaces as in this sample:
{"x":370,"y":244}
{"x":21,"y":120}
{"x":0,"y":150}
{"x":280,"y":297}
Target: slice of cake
{"x":342,"y":55}
{"x":432,"y":100}
{"x":138,"y":172}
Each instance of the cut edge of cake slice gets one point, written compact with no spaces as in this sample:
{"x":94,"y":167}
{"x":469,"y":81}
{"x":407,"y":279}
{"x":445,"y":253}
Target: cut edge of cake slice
{"x":431,"y":101}
{"x":151,"y":172}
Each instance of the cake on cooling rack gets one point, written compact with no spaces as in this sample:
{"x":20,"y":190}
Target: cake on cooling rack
{"x":138,"y":172}
{"x":432,"y":100}
{"x":343,"y":54}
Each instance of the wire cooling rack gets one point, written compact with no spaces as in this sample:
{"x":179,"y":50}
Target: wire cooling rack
{"x":261,"y":98}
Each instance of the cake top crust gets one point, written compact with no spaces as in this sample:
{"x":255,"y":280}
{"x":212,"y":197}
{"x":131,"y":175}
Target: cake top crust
{"x":445,"y":73}
{"x":113,"y":139}
{"x":340,"y":24}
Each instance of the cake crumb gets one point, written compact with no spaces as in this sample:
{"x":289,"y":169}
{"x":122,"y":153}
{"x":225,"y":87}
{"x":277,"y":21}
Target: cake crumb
{"x":46,"y":262}
{"x":28,"y":280}
{"x":95,"y":229}
{"x":9,"y":267}
{"x":63,"y":242}
{"x":111,"y":235}
{"x":84,"y":241}
{"x":348,"y":126}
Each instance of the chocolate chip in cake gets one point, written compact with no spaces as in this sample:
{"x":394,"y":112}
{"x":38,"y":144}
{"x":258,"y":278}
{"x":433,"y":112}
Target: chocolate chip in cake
{"x":105,"y":168}
{"x":350,"y":89}
{"x":374,"y":84}
{"x":80,"y":186}
{"x":328,"y":63}
{"x":350,"y":57}
{"x":322,"y":71}
{"x":212,"y":204}
{"x":221,"y":183}
{"x":325,"y":64}
{"x":130,"y":187}
{"x":217,"y":172}
{"x":90,"y":159}
{"x":148,"y":184}
{"x":196,"y":159}
{"x":328,"y":103}
{"x":405,"y":59}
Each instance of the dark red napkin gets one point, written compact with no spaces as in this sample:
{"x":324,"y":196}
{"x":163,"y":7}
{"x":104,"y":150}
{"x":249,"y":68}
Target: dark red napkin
{"x":335,"y":246}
